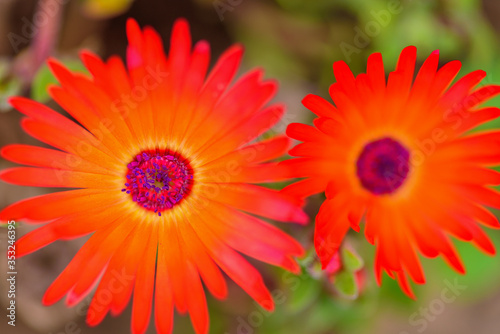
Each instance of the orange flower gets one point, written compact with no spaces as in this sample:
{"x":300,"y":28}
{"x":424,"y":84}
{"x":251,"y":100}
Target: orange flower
{"x":400,"y":155}
{"x":164,"y":180}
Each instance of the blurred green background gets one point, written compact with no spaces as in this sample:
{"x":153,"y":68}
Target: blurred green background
{"x":296,"y":42}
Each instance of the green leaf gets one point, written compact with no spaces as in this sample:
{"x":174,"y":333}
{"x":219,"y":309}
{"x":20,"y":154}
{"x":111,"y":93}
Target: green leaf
{"x":9,"y":85}
{"x":351,"y":261}
{"x":306,"y":293}
{"x":44,"y":78}
{"x":346,"y":285}
{"x":483,"y":271}
{"x":8,"y":89}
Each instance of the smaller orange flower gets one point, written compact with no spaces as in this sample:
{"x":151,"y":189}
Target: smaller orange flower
{"x":399,"y":153}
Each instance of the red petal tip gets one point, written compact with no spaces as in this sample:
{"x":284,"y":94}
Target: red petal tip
{"x":202,"y":46}
{"x":181,"y":21}
{"x":46,"y":301}
{"x":131,"y":22}
{"x":268,"y":305}
{"x":300,"y":217}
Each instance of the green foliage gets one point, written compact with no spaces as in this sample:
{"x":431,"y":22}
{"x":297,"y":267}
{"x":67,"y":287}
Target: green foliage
{"x":9,"y":85}
{"x":345,"y":284}
{"x":351,"y":260}
{"x":306,"y":294}
{"x":44,"y":78}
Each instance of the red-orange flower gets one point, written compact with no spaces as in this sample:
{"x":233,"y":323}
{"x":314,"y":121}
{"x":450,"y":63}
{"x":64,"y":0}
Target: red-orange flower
{"x":165,"y":174}
{"x":399,"y":154}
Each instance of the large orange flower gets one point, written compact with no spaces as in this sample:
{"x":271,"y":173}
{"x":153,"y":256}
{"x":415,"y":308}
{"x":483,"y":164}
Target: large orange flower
{"x":400,"y":155}
{"x":164,"y":176}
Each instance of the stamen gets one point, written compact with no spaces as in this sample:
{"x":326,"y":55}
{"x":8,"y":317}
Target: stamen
{"x":158,"y":180}
{"x":383,"y":166}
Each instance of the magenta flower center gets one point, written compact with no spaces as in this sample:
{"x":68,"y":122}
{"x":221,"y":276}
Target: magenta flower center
{"x":383,"y":166}
{"x":158,"y":180}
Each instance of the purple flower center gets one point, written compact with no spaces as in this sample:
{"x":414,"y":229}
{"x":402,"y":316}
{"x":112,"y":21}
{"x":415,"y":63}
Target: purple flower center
{"x":158,"y":180}
{"x":383,"y":166}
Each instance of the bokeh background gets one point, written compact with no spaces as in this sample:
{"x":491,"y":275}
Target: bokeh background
{"x":296,"y":42}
